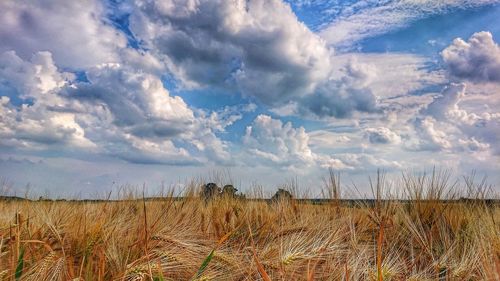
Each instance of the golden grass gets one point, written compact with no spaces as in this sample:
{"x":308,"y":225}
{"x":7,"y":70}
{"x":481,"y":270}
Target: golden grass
{"x":231,"y":239}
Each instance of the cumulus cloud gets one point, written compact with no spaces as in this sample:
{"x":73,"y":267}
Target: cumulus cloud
{"x":258,"y":46}
{"x":277,"y":142}
{"x":477,"y":59}
{"x":431,"y":137}
{"x":271,"y":142}
{"x":140,"y":109}
{"x":485,"y":129}
{"x":362,"y":162}
{"x":473,"y":144}
{"x":337,"y":101}
{"x":34,"y":126}
{"x":390,"y":75}
{"x":75,"y":32}
{"x":442,"y":106}
{"x":227,"y":116}
{"x":446,"y":107}
{"x":138,"y":101}
{"x":32,"y":78}
{"x":119,"y":112}
{"x":458,"y":128}
{"x":382,"y":135}
{"x":337,"y":98}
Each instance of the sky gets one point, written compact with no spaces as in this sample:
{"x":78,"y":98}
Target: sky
{"x":97,"y":94}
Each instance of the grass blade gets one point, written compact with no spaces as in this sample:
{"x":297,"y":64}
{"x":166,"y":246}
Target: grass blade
{"x":211,"y":255}
{"x":205,"y":264}
{"x":20,"y":265}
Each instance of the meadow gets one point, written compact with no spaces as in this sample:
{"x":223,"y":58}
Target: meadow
{"x":420,"y":227}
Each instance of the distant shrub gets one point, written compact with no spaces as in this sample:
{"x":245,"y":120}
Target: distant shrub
{"x":210,"y":190}
{"x":282,"y":194}
{"x":229,"y":190}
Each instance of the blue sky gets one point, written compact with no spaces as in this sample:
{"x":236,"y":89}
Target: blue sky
{"x":98,"y":94}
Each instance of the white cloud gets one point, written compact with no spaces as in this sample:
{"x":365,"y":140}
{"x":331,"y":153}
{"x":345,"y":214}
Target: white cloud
{"x":337,"y":97}
{"x":141,"y":111}
{"x":477,"y":60}
{"x":447,"y":102}
{"x":75,"y":32}
{"x":471,"y":110}
{"x":382,"y":135}
{"x":256,"y":46}
{"x":485,"y":129}
{"x":280,"y":143}
{"x":395,"y":74}
{"x":138,"y":101}
{"x":365,"y":83}
{"x":30,"y":79}
{"x":221,"y":119}
{"x":458,"y":128}
{"x":271,"y":142}
{"x":34,"y":126}
{"x":363,"y":162}
{"x":448,"y":107}
{"x":371,"y":18}
{"x":473,"y":144}
{"x":120,"y":112}
{"x":432,"y":138}
{"x":323,"y":138}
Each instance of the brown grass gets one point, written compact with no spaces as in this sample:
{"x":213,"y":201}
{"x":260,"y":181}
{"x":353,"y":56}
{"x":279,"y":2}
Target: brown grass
{"x":425,"y":238}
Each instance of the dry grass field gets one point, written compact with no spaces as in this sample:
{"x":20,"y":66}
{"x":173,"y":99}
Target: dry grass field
{"x":429,"y":236}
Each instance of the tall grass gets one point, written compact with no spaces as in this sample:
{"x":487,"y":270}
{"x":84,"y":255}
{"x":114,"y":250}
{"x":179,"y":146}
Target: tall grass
{"x":415,"y":229}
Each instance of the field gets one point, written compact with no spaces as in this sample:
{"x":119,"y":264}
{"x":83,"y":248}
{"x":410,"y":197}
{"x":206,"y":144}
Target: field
{"x":431,"y":235}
